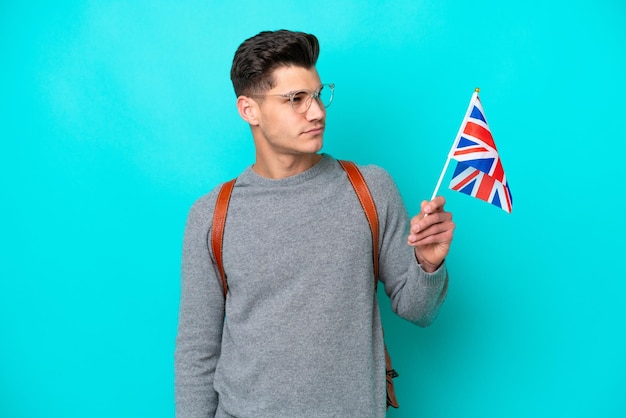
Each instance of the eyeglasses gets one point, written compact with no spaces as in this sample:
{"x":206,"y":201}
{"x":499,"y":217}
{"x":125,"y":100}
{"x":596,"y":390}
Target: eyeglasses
{"x":301,"y":100}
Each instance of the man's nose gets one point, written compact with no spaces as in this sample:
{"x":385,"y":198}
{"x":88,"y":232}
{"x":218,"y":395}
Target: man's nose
{"x":316,"y":110}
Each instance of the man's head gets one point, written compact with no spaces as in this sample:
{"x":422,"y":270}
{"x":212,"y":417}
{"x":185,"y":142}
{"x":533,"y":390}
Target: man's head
{"x":257,"y":58}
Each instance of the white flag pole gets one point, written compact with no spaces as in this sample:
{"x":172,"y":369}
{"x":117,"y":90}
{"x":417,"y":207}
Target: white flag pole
{"x":456,"y":141}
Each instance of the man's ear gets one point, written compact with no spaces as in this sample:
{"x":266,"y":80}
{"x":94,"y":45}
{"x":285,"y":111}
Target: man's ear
{"x":248,"y":109}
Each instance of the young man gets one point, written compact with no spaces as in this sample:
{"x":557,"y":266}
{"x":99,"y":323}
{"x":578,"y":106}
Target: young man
{"x":299,"y":332}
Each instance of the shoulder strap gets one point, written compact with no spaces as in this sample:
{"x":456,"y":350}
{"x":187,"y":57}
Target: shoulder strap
{"x":367,"y":202}
{"x":217,"y":230}
{"x":360,"y":188}
{"x":369,"y":207}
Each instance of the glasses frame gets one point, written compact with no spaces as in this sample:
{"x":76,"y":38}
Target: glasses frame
{"x":315,"y":94}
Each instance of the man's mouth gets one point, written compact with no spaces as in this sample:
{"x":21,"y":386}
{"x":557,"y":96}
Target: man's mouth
{"x":315,"y":131}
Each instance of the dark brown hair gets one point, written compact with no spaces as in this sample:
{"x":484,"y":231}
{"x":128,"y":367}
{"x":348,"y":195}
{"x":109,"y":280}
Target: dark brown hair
{"x":257,"y":57}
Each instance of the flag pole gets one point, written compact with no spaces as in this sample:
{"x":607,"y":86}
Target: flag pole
{"x":458,"y":135}
{"x":445,"y":167}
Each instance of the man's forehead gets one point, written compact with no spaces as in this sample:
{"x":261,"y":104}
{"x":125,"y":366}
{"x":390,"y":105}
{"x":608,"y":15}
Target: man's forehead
{"x":295,"y":78}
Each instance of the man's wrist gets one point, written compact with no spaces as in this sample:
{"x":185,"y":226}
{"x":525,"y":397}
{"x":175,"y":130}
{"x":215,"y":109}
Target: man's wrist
{"x":426,"y":266}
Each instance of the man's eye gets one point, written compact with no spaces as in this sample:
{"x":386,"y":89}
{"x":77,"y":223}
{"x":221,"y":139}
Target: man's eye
{"x":299,"y":96}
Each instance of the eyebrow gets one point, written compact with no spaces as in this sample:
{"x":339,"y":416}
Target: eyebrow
{"x":307,"y":90}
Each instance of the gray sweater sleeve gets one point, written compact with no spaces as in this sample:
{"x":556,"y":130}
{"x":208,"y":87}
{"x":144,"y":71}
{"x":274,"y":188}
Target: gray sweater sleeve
{"x":201,"y":315}
{"x":415,"y":295}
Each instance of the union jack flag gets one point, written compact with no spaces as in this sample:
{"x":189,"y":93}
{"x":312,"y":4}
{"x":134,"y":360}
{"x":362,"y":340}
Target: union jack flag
{"x":479,"y":171}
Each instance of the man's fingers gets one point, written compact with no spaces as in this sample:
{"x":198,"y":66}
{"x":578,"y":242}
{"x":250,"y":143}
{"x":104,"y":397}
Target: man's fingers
{"x":435,"y":205}
{"x":419,"y":223}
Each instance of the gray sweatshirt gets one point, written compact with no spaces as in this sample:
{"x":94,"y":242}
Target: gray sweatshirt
{"x":299,"y":334}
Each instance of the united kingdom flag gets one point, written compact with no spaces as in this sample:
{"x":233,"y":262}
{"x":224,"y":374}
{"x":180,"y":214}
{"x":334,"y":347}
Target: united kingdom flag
{"x":479,"y":171}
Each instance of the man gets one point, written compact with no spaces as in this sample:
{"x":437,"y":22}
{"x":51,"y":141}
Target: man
{"x":299,"y":333}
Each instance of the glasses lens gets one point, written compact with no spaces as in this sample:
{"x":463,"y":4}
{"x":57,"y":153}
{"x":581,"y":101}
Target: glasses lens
{"x":301,"y":101}
{"x":326,"y":94}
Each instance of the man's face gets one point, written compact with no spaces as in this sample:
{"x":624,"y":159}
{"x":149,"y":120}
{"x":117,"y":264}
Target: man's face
{"x":282,"y":131}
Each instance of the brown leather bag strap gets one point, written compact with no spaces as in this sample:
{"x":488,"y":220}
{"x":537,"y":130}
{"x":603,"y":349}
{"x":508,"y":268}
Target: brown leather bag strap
{"x":217,"y":230}
{"x":369,"y":207}
{"x":359,"y":185}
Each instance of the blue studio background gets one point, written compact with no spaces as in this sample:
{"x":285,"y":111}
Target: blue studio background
{"x":115,"y":116}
